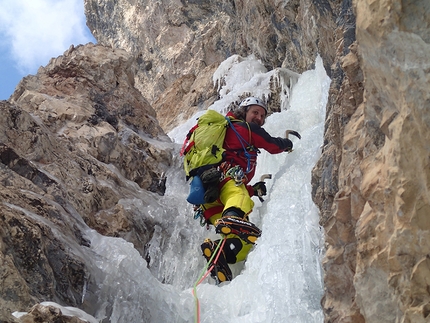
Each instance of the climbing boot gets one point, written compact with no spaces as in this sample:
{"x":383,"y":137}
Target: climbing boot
{"x":221,"y":271}
{"x":247,"y":231}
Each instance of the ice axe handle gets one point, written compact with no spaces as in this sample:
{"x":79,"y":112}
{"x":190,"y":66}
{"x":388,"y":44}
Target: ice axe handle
{"x":259,"y":191}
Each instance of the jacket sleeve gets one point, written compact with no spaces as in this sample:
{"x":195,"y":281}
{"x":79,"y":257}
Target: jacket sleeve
{"x":262,"y":139}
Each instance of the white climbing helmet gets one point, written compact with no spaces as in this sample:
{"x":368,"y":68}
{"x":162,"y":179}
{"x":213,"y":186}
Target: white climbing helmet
{"x":253,"y":101}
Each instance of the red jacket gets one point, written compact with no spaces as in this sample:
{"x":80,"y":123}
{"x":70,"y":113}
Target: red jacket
{"x":252,"y":137}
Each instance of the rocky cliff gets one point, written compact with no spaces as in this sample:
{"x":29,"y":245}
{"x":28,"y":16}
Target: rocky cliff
{"x":110,"y":104}
{"x":375,"y":209}
{"x":60,"y":133}
{"x":179,"y":44}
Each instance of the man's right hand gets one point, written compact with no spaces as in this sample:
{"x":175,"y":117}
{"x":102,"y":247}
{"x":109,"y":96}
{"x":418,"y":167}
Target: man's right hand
{"x":259,"y":189}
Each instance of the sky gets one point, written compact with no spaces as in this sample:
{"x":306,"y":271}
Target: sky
{"x":34,"y":31}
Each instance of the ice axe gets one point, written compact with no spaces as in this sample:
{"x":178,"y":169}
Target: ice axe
{"x":259,"y":191}
{"x":294,"y":133}
{"x":269,"y":176}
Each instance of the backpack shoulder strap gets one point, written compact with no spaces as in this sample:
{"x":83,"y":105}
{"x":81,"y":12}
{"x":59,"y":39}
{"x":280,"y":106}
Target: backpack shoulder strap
{"x":245,"y":144}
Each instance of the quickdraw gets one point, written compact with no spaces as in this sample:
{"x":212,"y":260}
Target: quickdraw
{"x":237,"y":174}
{"x":199,"y":214}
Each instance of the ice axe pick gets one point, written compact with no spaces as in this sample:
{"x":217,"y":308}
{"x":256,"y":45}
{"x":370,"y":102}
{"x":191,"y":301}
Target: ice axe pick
{"x":294,"y":133}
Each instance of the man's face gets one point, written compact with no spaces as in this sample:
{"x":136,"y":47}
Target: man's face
{"x":255,"y":114}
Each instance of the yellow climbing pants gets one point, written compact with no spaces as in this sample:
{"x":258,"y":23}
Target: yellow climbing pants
{"x":237,"y":197}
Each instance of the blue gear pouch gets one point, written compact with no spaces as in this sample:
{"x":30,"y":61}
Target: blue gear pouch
{"x":197,"y":192}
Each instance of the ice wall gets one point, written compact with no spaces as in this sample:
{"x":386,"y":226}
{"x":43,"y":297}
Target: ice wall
{"x":281,"y":281}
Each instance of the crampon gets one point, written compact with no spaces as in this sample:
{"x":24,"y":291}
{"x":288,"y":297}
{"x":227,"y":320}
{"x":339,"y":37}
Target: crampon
{"x":247,"y":231}
{"x":221,"y":271}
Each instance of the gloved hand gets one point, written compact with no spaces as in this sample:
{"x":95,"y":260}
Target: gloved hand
{"x":259,"y":189}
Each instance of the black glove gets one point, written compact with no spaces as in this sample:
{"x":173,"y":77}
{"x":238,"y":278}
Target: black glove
{"x":259,"y":189}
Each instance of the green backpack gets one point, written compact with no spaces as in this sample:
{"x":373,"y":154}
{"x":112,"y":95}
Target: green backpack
{"x":202,"y":147}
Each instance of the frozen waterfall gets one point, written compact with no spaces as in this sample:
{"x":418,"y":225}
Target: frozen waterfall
{"x":281,"y":281}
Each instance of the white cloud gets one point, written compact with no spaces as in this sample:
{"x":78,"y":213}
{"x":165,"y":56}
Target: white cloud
{"x":34,"y":31}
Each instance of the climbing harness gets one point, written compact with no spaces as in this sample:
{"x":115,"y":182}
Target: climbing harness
{"x":205,"y":272}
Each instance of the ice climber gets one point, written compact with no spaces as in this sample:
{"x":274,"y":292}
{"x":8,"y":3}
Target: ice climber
{"x":229,"y":212}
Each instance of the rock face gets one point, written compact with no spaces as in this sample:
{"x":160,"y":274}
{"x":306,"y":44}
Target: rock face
{"x":60,"y":133}
{"x":393,"y":254}
{"x":48,"y":313}
{"x":372,"y":182}
{"x":178,"y":44}
{"x":84,"y":111}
